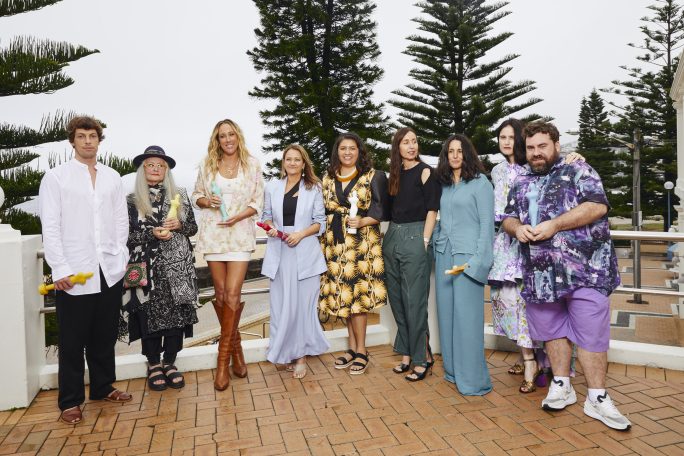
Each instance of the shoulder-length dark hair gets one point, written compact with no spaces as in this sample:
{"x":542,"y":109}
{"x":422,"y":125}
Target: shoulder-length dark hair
{"x":395,"y":159}
{"x":471,"y":168}
{"x":363,"y":164}
{"x":519,"y":154}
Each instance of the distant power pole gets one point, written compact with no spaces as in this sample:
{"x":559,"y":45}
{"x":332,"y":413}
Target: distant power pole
{"x":636,"y":211}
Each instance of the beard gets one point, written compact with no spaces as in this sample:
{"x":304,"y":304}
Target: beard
{"x":543,"y":167}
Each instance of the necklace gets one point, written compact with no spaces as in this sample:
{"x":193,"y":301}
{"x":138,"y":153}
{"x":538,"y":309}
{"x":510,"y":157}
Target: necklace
{"x":348,"y":177}
{"x":228,"y":168}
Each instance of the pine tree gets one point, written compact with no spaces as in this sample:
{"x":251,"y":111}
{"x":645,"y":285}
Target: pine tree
{"x":457,"y":90}
{"x":29,"y":66}
{"x":611,"y":163}
{"x":319,"y":63}
{"x":648,"y":106}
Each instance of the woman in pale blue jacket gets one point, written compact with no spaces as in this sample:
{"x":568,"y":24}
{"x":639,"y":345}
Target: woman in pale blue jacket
{"x":294,"y":205}
{"x":463,"y":254}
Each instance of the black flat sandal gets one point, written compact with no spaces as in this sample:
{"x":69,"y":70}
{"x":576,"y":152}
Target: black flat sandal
{"x":361,"y":366}
{"x":342,"y":362}
{"x":418,"y":376}
{"x":170,"y":377}
{"x":158,"y":375}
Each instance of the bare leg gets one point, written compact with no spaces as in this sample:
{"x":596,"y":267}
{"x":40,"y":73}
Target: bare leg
{"x":559,"y":352}
{"x":352,"y":337}
{"x":359,"y":322}
{"x":218,"y":271}
{"x":234,"y":278}
{"x":595,"y":366}
{"x":531,"y":368}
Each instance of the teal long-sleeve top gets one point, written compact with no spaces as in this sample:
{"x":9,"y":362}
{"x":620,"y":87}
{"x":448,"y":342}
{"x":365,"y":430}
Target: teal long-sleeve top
{"x":467,"y":223}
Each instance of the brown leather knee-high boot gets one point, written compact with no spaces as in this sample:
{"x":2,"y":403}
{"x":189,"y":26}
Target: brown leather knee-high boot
{"x":222,"y":378}
{"x":239,"y":366}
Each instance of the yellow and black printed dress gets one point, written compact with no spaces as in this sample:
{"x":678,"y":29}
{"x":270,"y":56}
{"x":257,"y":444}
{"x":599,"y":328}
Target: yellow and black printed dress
{"x":355,"y":281}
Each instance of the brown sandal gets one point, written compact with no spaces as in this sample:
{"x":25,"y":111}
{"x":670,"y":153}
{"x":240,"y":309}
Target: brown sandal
{"x":516,"y":369}
{"x":118,"y":396}
{"x":530,"y":386}
{"x":71,"y":415}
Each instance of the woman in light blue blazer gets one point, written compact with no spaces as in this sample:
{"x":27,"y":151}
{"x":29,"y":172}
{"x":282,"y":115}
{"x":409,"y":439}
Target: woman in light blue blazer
{"x":294,"y":206}
{"x":463,"y":237}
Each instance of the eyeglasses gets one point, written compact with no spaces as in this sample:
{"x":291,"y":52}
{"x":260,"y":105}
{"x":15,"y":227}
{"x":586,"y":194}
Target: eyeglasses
{"x":152,"y":166}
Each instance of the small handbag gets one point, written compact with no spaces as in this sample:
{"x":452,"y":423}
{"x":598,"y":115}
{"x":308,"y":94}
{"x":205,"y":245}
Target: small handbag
{"x":136,"y":275}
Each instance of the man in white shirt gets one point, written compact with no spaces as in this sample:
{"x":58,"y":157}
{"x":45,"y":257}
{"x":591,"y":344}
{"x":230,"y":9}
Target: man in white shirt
{"x":85,"y":229}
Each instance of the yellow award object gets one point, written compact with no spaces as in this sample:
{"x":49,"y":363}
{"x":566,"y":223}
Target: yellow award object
{"x":77,"y":279}
{"x":456,"y":270}
{"x":173,"y":212}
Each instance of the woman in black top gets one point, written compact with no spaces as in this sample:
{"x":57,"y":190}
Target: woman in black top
{"x":414,"y":196}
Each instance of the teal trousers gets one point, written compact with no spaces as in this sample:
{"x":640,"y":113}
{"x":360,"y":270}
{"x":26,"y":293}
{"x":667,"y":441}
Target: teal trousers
{"x":460,"y":311}
{"x":407,"y":276}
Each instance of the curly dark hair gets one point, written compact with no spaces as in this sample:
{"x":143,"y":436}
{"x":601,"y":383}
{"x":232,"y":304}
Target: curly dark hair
{"x":548,"y":128}
{"x":472,"y":166}
{"x":395,"y":159}
{"x":519,"y":154}
{"x":363,"y":164}
{"x":84,"y":123}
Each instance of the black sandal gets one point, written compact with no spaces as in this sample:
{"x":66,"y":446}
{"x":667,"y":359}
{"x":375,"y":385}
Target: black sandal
{"x":362,"y":366}
{"x":170,"y":377}
{"x":343,"y":361}
{"x":151,"y":379}
{"x":401,"y":368}
{"x":418,"y":376}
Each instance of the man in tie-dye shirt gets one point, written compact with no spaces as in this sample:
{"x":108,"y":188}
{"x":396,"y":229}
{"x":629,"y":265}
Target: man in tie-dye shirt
{"x":558,"y":212}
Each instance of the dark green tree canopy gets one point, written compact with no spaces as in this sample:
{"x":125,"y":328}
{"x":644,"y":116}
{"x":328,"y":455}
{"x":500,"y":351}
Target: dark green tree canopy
{"x":612,"y":163}
{"x":12,"y":7}
{"x":29,"y":66}
{"x":647,"y":105}
{"x":318,"y":58}
{"x":457,"y":89}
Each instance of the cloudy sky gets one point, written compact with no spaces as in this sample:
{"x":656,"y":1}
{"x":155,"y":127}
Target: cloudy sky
{"x":169,"y":69}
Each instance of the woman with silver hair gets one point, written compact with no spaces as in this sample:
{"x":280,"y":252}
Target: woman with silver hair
{"x":162,"y":292}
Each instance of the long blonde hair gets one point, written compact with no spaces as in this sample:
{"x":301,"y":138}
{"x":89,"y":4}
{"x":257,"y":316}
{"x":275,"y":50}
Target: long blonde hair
{"x":142,"y":192}
{"x":310,"y":178}
{"x":214,"y":151}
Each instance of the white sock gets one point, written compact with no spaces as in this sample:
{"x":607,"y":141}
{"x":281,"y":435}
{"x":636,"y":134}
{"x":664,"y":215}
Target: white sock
{"x":594,"y":393}
{"x":562,"y":382}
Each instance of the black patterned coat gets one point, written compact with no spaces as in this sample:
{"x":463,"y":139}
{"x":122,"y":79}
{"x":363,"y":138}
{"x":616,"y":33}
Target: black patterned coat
{"x":167,"y":304}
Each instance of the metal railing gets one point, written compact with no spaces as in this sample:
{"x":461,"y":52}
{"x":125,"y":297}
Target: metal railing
{"x":614,"y":234}
{"x":637,"y":237}
{"x":203,"y":294}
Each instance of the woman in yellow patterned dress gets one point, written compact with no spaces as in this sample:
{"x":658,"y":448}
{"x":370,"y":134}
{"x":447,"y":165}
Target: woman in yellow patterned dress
{"x":355,"y":281}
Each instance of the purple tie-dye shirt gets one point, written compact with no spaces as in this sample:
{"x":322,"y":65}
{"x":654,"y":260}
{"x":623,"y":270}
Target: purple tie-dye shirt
{"x":572,"y":259}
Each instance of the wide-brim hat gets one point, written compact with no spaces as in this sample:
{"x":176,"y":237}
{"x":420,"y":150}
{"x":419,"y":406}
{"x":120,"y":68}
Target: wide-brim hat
{"x":154,"y":151}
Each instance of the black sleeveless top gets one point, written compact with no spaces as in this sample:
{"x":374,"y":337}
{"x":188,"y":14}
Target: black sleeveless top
{"x":415,"y":199}
{"x":290,"y":206}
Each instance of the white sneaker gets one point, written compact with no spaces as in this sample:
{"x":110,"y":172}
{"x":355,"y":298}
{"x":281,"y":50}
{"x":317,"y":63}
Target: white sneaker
{"x":559,"y":396}
{"x":604,"y":410}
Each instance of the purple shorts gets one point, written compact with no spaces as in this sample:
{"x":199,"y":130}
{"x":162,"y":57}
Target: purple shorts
{"x":582,"y":316}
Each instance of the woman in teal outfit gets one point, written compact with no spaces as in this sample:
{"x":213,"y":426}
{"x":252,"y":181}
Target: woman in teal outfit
{"x":463,"y":237}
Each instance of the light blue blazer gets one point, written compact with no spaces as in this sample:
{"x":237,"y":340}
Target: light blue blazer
{"x":310,"y":210}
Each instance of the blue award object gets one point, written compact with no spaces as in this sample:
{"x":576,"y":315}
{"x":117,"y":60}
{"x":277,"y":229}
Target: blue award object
{"x":217,"y":191}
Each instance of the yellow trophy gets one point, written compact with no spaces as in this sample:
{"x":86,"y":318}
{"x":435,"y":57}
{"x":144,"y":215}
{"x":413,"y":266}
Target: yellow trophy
{"x":173,"y":212}
{"x":77,"y":279}
{"x":456,"y":270}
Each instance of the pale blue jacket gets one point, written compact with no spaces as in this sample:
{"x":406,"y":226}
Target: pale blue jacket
{"x":466,"y":213}
{"x":310,"y":210}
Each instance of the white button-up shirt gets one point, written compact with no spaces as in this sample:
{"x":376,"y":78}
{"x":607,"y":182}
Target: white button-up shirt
{"x":84,"y":227}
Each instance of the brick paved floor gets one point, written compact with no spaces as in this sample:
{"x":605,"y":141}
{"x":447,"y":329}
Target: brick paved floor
{"x":333,"y":413}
